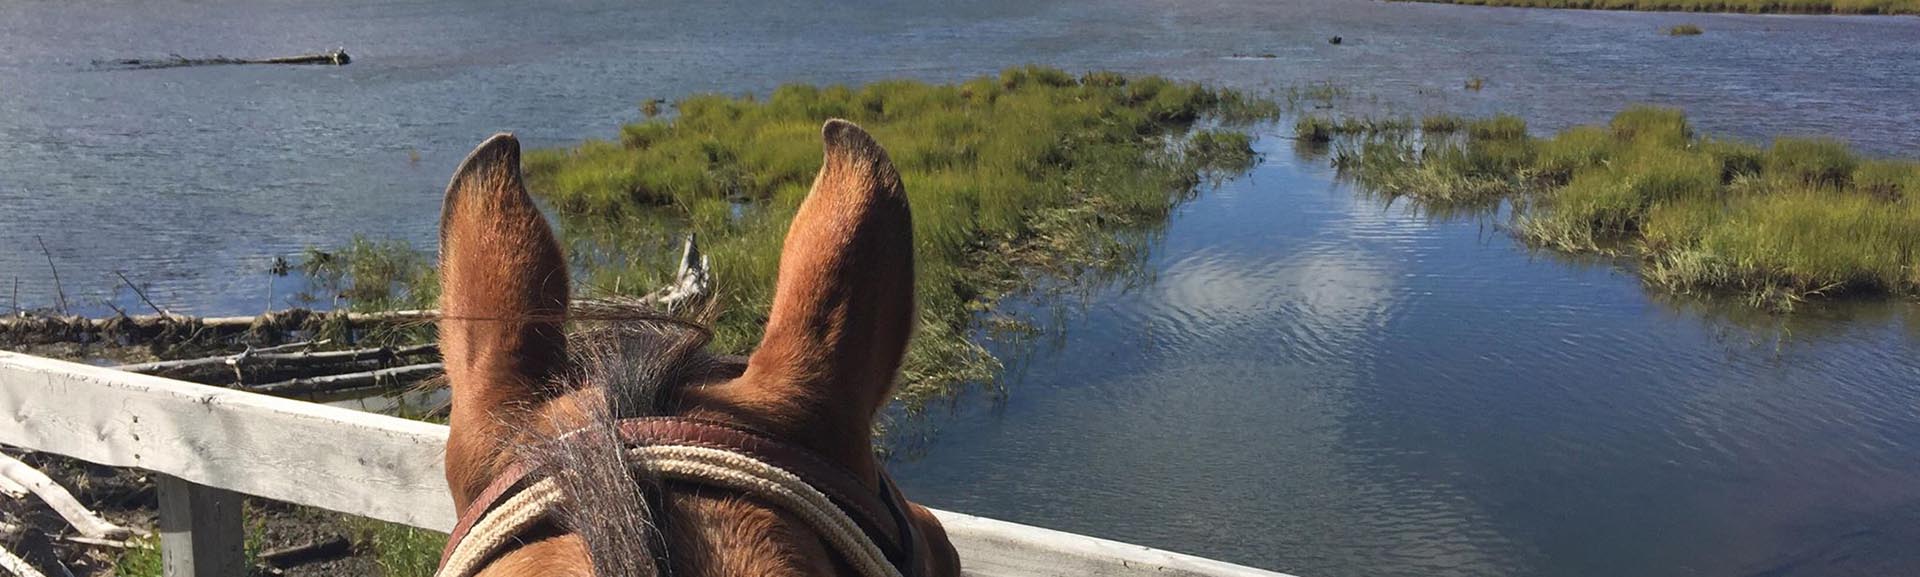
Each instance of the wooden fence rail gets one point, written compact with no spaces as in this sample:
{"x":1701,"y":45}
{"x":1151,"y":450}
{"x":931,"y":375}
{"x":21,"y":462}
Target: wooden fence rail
{"x":211,"y":445}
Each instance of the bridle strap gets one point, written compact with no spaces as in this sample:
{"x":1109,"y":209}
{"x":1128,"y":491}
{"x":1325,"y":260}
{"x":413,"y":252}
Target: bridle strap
{"x":726,"y":456}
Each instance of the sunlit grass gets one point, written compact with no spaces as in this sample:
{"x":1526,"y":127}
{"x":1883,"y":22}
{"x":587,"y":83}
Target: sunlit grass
{"x":1798,"y":219}
{"x":1032,"y":167}
{"x":399,"y":550}
{"x":1030,"y":172}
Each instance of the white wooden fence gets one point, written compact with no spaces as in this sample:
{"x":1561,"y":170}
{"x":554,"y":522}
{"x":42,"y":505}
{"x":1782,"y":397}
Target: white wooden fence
{"x":209,"y":445}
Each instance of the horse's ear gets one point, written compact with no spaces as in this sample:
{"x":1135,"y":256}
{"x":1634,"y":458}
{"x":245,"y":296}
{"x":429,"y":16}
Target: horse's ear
{"x":843,"y":305}
{"x":503,"y":299}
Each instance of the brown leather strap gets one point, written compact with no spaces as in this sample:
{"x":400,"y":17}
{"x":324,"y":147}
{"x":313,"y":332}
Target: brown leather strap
{"x":503,"y":486}
{"x":881,"y":514}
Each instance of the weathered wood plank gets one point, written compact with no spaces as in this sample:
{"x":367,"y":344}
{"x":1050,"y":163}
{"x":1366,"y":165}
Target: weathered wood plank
{"x":993,"y":548}
{"x":201,"y":532}
{"x":391,"y":469}
{"x":328,"y":457}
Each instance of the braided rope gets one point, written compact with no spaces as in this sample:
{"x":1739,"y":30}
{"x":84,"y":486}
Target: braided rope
{"x":704,"y":465}
{"x":499,"y":526}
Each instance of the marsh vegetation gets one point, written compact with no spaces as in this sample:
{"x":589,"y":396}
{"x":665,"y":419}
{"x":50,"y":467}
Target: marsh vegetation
{"x":1739,"y":6}
{"x":1777,"y":224}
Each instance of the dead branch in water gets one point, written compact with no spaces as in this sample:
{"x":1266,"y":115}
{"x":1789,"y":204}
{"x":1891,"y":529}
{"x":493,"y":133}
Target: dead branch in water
{"x":56,"y":274}
{"x":336,"y":57}
{"x":142,"y":294}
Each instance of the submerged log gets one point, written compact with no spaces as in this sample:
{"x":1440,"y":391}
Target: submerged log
{"x":336,"y":57}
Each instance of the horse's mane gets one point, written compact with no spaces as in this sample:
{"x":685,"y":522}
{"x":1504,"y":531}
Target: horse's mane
{"x":634,"y":356}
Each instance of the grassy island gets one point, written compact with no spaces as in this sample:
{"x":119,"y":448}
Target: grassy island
{"x":1797,"y":219}
{"x":1736,"y":6}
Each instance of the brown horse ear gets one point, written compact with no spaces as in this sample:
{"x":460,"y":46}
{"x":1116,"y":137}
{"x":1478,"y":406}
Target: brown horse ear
{"x":503,"y":298}
{"x":843,"y":305}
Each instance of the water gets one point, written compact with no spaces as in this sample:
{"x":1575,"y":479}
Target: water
{"x":1309,"y":381}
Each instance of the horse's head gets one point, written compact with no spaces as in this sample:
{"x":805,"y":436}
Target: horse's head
{"x":524,"y":389}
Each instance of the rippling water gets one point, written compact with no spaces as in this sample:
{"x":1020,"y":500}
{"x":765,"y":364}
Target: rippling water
{"x":1309,"y":381}
{"x":1319,"y":384}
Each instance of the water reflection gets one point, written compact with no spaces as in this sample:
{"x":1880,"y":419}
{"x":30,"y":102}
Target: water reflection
{"x":1318,"y":384}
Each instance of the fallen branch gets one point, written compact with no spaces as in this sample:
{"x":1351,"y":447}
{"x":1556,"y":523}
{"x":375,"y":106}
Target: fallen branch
{"x":331,"y":547}
{"x":17,"y":566}
{"x":86,"y":522}
{"x":12,"y":489}
{"x":10,"y":530}
{"x":255,"y":357}
{"x":692,"y":282}
{"x":135,"y":329}
{"x":382,"y":377}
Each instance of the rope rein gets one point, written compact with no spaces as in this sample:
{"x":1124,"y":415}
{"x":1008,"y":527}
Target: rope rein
{"x":500,"y":526}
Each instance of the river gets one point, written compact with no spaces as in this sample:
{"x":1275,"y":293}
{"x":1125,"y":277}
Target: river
{"x":1304,"y":380}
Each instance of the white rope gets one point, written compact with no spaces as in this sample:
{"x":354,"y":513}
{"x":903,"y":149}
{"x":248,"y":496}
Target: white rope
{"x":705,"y":465}
{"x":499,"y":526}
{"x":783,"y":488}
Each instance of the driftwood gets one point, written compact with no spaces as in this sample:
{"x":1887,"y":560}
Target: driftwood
{"x":693,"y":283}
{"x":139,"y":329}
{"x":17,"y":566}
{"x":336,"y":57}
{"x":9,"y":530}
{"x":266,"y":357}
{"x":382,"y":377}
{"x":62,"y":502}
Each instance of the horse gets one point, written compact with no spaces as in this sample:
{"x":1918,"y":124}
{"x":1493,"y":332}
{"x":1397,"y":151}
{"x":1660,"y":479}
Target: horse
{"x":551,"y":393}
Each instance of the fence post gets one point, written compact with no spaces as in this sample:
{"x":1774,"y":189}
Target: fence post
{"x":201,"y":533}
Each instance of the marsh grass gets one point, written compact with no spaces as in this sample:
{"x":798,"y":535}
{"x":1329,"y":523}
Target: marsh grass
{"x":1801,"y":218}
{"x":1030,"y":170}
{"x":1685,"y":30}
{"x":1739,"y":6}
{"x":1030,"y":173}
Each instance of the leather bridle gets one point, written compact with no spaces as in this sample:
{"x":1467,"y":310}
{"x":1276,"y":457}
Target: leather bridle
{"x":717,"y":454}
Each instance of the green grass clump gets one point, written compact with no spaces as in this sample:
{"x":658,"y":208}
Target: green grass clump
{"x":141,"y":560}
{"x":1815,"y":161}
{"x":1738,"y":6}
{"x":1500,"y":127}
{"x":1685,"y":30}
{"x":1314,"y":129}
{"x":368,"y":274}
{"x":1441,"y":124}
{"x":399,"y":550}
{"x":1797,"y":219}
{"x":1031,"y":169}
